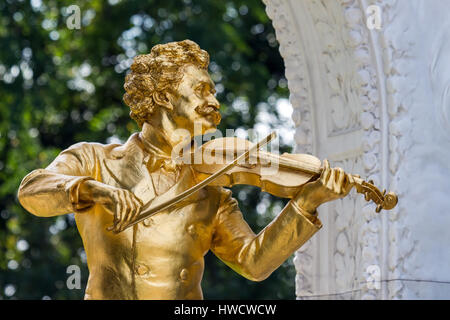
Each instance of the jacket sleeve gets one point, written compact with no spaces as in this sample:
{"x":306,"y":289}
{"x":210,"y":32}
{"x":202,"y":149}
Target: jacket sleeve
{"x":54,"y":190}
{"x":257,"y":256}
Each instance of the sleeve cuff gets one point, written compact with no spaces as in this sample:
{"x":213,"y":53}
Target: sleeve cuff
{"x":313,"y":218}
{"x":72,"y":189}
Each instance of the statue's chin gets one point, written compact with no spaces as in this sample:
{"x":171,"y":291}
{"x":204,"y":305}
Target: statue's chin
{"x":208,"y":125}
{"x":210,"y":122}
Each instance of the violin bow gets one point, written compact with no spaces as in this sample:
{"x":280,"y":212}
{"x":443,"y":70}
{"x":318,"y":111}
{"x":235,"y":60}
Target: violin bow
{"x":152,"y":207}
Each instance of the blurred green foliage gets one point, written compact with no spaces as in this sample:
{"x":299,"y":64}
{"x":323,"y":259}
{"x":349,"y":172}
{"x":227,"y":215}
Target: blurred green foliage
{"x":60,"y":86}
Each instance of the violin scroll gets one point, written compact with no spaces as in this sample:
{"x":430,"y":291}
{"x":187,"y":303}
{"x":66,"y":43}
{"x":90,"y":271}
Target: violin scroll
{"x":389,"y":201}
{"x":383,"y":200}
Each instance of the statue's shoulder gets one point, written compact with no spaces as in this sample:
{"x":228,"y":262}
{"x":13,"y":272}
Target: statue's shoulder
{"x":89,"y":147}
{"x":110,"y":150}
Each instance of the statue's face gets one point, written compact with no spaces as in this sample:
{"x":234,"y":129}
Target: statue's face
{"x":196,"y":104}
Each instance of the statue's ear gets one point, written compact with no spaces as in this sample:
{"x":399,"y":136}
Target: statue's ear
{"x":163,"y":99}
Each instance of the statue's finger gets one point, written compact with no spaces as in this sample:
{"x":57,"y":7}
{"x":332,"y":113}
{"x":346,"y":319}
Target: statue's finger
{"x":138,"y":205}
{"x":131,"y":206}
{"x":348,"y":183}
{"x":325,"y":172}
{"x":330,"y":180}
{"x":340,"y":179}
{"x":135,"y":208}
{"x":126,"y":210}
{"x":136,"y":199}
{"x":121,"y":209}
{"x":326,"y":164}
{"x":116,"y":213}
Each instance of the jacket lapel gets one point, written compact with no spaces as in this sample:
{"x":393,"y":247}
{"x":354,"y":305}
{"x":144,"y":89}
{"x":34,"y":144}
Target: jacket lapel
{"x":186,"y":181}
{"x":126,"y":165}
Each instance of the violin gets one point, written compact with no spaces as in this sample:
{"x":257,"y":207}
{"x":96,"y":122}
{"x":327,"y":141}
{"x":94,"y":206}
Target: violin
{"x":231,"y":161}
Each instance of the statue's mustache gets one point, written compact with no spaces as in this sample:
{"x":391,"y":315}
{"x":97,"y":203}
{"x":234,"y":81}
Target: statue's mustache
{"x":209,"y":111}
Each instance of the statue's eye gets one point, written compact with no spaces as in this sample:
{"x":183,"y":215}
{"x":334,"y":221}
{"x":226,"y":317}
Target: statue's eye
{"x":204,"y":90}
{"x":199,"y":90}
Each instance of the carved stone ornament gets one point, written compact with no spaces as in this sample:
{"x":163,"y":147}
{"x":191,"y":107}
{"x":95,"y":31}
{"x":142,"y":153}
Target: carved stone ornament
{"x":376,"y":101}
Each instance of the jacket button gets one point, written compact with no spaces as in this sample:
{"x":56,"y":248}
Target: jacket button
{"x":141,"y":269}
{"x":191,"y":230}
{"x":184,"y":274}
{"x":148,"y":222}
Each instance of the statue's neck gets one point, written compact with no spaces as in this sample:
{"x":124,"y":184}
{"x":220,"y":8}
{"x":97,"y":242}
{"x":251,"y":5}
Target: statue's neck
{"x":161,"y":138}
{"x":156,"y":139}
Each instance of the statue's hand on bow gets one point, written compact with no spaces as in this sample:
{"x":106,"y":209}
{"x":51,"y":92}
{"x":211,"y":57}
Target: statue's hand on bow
{"x":121,"y":203}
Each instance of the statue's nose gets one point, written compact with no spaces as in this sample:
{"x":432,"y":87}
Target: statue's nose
{"x":214,"y":103}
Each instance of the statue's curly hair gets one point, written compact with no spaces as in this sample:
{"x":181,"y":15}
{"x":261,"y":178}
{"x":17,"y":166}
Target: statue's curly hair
{"x":159,"y":71}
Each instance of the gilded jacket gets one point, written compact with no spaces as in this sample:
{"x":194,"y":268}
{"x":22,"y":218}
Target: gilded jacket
{"x":161,"y":257}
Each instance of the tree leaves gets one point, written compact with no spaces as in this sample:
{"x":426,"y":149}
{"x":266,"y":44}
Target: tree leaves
{"x":60,"y":86}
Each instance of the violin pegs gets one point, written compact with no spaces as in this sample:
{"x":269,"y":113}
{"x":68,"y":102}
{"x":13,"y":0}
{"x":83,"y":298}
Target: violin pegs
{"x":384,"y":192}
{"x":366,"y":196}
{"x":371,"y":181}
{"x":378,"y":209}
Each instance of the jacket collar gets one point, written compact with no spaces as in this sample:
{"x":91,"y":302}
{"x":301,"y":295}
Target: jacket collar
{"x":127,"y":166}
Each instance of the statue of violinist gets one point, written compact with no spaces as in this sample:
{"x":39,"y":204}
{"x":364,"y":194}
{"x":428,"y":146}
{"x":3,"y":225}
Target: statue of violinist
{"x":107,"y":187}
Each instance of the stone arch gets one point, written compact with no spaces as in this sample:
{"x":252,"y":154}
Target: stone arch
{"x":356,"y":94}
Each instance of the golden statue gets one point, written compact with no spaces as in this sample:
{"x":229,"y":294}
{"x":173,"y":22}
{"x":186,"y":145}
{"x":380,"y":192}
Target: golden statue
{"x":147,"y":219}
